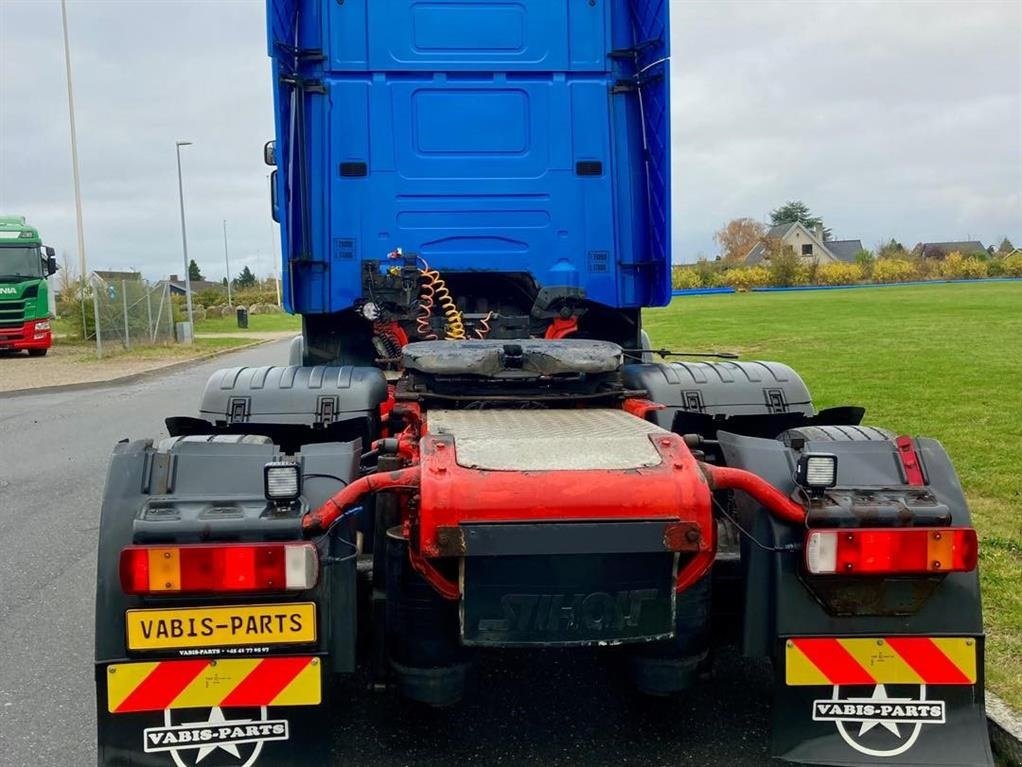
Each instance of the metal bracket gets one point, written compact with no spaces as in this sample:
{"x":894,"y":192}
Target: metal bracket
{"x":694,"y":401}
{"x":634,"y":51}
{"x":775,"y":401}
{"x":326,"y":410}
{"x":307,"y":85}
{"x":237,"y":410}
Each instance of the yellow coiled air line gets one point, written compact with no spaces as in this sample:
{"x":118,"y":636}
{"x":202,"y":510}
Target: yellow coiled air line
{"x":434,"y":292}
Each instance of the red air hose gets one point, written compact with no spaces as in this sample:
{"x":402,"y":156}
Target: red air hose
{"x":321,"y":519}
{"x":776,"y":502}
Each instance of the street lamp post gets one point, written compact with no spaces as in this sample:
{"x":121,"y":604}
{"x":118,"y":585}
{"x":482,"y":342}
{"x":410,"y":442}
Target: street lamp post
{"x":74,"y":165}
{"x":227,"y":260}
{"x":184,"y":237}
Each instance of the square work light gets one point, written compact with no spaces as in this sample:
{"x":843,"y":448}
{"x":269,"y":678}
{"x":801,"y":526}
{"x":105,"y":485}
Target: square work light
{"x":282,"y":481}
{"x":816,"y":471}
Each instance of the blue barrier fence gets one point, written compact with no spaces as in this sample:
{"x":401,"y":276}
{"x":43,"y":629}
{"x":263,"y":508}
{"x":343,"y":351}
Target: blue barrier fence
{"x":716,"y":291}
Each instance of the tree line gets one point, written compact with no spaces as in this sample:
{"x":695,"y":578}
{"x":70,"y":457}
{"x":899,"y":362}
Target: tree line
{"x":246,"y":279}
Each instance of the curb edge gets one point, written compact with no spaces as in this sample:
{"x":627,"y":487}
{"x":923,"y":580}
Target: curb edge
{"x":1005,"y":728}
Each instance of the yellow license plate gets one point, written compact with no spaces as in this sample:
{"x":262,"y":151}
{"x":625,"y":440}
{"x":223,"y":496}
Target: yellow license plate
{"x":188,"y":627}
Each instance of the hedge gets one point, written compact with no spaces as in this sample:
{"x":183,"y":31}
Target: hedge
{"x":956,"y":266}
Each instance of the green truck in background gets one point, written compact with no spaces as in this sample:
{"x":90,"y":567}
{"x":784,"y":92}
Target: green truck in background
{"x":25,"y":297}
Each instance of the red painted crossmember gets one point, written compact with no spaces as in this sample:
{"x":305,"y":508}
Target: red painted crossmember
{"x":674,"y":490}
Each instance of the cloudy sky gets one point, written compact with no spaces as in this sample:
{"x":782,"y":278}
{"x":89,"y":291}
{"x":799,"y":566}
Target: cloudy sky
{"x":892,"y":118}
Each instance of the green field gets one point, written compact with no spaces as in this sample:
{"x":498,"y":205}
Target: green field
{"x":86,"y":351}
{"x":944,"y":361}
{"x":257,"y":323}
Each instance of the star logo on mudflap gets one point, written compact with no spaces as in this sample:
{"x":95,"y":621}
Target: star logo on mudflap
{"x":899,"y":719}
{"x":189,"y":743}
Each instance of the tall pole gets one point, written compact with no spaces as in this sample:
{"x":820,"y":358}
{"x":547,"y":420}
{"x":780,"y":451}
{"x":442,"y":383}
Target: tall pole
{"x":184,"y":237}
{"x":74,"y":162}
{"x":227,"y":260}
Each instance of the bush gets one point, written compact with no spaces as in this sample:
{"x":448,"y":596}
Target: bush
{"x":926,"y":268}
{"x":805,"y":273}
{"x":745,"y":277}
{"x":784,"y":268}
{"x":265,"y":294}
{"x":709,"y":273}
{"x":893,"y":270}
{"x":264,"y":309}
{"x":180,"y":307}
{"x":1012,"y":266}
{"x":685,"y":278}
{"x":838,"y":274}
{"x":865,"y":260}
{"x":208,"y":298}
{"x":959,"y":267}
{"x":70,"y":310}
{"x":808,"y":273}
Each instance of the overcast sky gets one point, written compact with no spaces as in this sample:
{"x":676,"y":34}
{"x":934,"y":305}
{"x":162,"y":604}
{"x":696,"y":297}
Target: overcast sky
{"x":898,"y":119}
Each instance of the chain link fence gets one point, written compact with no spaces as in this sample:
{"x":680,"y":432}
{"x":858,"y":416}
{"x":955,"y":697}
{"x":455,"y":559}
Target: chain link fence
{"x":129,"y":313}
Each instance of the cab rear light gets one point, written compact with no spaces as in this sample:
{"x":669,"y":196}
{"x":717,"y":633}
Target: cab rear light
{"x":219,"y":568}
{"x":900,"y":551}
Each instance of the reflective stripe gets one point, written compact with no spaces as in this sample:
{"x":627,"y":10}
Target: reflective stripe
{"x":225,"y":678}
{"x":880,"y":660}
{"x":929,"y":661}
{"x":283,"y":681}
{"x":267,"y":681}
{"x":159,"y":688}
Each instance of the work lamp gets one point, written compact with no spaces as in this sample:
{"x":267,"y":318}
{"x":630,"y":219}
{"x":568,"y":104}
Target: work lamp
{"x":282,"y":481}
{"x":816,"y":471}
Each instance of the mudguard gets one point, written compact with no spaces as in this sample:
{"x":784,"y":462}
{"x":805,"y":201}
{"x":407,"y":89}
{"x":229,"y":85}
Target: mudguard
{"x":937,"y":634}
{"x":251,"y":705}
{"x":313,"y":395}
{"x":717,"y":390}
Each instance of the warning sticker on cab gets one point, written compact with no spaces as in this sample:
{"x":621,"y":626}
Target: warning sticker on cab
{"x":188,"y":627}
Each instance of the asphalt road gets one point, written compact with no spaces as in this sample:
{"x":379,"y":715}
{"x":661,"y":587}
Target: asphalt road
{"x":522,"y":708}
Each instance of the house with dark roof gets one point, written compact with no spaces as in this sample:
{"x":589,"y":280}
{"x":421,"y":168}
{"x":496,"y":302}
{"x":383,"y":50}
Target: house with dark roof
{"x":107,"y":275}
{"x":177,"y":285}
{"x":807,"y":245}
{"x":939,"y":250}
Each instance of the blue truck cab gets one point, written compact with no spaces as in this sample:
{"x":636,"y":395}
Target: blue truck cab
{"x":518,"y":150}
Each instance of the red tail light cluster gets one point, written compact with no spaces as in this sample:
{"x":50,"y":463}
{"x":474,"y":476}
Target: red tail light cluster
{"x":219,"y":568}
{"x":898,"y":551}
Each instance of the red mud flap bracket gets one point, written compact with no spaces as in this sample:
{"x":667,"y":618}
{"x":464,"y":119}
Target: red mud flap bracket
{"x":881,"y":700}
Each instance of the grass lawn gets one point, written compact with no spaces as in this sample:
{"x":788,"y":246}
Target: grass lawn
{"x":201,"y":346}
{"x":944,"y":361}
{"x":257,"y":323}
